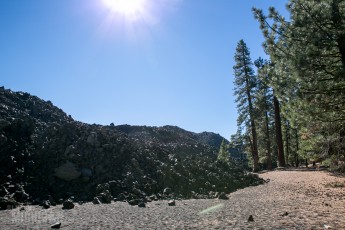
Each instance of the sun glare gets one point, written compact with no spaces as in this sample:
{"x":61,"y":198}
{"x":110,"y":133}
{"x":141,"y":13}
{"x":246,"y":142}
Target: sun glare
{"x":130,"y":9}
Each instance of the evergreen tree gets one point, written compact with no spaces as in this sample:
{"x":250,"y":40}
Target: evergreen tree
{"x":287,"y":129}
{"x":279,"y":135}
{"x":245,"y":82}
{"x":223,"y":154}
{"x":236,"y":149}
{"x":291,"y":143}
{"x":263,"y":108}
{"x":308,"y":55}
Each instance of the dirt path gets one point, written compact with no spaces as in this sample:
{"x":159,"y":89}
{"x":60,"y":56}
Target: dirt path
{"x":291,"y":200}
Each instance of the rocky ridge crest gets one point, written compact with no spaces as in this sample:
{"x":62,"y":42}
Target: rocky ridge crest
{"x":45,"y":155}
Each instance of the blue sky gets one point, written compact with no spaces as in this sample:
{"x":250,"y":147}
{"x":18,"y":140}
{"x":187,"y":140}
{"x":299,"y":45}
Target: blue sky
{"x":172,"y":66}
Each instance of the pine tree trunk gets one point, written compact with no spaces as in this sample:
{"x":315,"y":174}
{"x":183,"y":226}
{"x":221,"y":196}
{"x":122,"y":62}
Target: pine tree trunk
{"x":268,"y":144}
{"x":337,"y":23}
{"x":255,"y":153}
{"x":341,"y":46}
{"x":287,"y":129}
{"x":278,"y":129}
{"x":255,"y":147}
{"x":297,"y":148}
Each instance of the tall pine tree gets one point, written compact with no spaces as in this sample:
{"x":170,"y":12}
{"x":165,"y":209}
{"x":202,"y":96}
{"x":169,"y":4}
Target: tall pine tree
{"x":264,"y":108}
{"x":308,"y":53}
{"x":309,"y":56}
{"x":223,"y":154}
{"x":245,"y":82}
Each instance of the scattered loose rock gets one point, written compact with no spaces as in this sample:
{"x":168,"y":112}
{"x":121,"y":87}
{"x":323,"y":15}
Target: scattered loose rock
{"x":250,"y":218}
{"x":56,"y":225}
{"x":141,"y":205}
{"x":20,"y":195}
{"x":171,"y":203}
{"x":96,"y":200}
{"x":105,"y":197}
{"x":8,"y":203}
{"x":285,"y":214}
{"x":46,"y":204}
{"x":133,"y":202}
{"x":67,"y":204}
{"x":167,"y":191}
{"x":223,"y":196}
{"x":154,"y":197}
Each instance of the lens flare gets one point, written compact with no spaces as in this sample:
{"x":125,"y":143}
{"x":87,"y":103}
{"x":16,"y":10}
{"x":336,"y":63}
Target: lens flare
{"x":211,"y":209}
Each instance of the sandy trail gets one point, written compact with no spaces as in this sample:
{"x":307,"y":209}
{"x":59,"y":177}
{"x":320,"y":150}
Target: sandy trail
{"x":291,"y":200}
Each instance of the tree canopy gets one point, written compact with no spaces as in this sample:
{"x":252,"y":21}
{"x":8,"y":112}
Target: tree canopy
{"x":307,"y":74}
{"x":295,"y":101}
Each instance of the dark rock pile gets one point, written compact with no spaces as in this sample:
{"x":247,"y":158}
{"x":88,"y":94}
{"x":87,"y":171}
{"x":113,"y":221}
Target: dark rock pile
{"x":46,"y":157}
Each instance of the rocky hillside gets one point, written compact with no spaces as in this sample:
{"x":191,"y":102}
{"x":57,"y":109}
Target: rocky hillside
{"x":46,"y":156}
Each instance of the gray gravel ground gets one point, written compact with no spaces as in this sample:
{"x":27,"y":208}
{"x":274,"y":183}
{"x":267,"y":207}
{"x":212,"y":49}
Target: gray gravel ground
{"x":291,"y":200}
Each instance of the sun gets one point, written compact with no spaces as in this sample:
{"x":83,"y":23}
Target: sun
{"x":130,"y":9}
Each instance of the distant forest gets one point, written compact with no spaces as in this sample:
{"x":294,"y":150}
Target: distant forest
{"x":292,"y":106}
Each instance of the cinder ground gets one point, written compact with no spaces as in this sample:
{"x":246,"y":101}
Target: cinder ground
{"x":292,"y":199}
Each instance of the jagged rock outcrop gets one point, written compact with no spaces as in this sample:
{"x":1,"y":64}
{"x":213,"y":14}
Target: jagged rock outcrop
{"x":45,"y":154}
